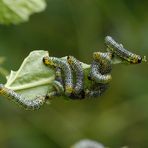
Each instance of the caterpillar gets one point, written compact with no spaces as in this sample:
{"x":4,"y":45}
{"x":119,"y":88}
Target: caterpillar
{"x":101,"y":67}
{"x":58,"y":83}
{"x":58,"y":75}
{"x":58,"y":86}
{"x":97,"y":76}
{"x":56,"y":62}
{"x":100,"y":74}
{"x":77,"y":68}
{"x":104,"y":61}
{"x":26,"y":103}
{"x":120,"y":51}
{"x":59,"y":90}
{"x":100,"y":85}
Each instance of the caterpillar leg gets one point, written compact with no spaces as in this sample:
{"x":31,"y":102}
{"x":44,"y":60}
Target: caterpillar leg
{"x":26,"y":103}
{"x":56,"y":62}
{"x":79,"y":85}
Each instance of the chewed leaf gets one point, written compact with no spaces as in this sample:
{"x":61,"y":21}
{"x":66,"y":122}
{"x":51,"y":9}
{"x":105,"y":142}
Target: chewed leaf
{"x":33,"y":78}
{"x":16,"y":11}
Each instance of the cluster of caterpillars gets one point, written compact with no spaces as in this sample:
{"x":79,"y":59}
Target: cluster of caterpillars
{"x":99,"y":75}
{"x":100,"y":71}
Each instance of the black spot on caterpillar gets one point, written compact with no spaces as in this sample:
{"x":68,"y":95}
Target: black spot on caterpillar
{"x":56,"y":62}
{"x":77,"y":68}
{"x":58,"y":75}
{"x":120,"y":51}
{"x":26,"y":103}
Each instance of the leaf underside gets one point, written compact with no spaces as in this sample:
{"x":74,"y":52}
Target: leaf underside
{"x":33,"y":78}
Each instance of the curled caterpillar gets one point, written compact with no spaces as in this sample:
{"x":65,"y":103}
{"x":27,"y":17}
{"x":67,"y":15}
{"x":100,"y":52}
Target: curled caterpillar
{"x":26,"y":103}
{"x":120,"y":51}
{"x":100,"y":74}
{"x":104,"y":61}
{"x":56,"y":62}
{"x":77,"y":68}
{"x":101,"y":67}
{"x":103,"y":58}
{"x":97,"y":76}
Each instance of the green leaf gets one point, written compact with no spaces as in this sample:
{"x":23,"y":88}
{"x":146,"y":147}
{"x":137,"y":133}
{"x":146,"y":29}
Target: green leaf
{"x":33,"y":78}
{"x":17,"y":11}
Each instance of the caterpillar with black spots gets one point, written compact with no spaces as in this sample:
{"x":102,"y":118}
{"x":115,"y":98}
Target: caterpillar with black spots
{"x":57,"y":62}
{"x":120,"y":51}
{"x":77,"y":68}
{"x":100,"y":74}
{"x":26,"y":103}
{"x":75,"y":87}
{"x":101,"y":67}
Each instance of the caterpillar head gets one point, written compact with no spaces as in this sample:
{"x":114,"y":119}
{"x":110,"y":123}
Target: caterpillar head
{"x":68,"y":90}
{"x":102,"y":57}
{"x":70,"y":59}
{"x":135,"y":59}
{"x":48,"y":61}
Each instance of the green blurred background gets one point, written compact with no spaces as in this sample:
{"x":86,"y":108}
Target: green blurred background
{"x":71,"y":27}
